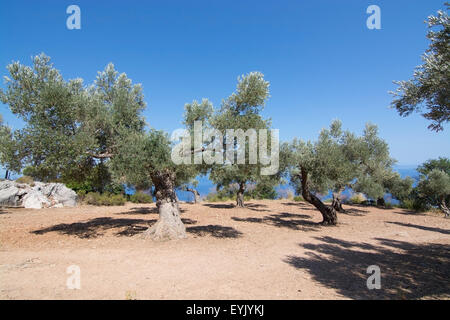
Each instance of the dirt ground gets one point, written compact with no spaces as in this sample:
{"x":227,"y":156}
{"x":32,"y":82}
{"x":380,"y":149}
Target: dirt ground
{"x":269,"y":250}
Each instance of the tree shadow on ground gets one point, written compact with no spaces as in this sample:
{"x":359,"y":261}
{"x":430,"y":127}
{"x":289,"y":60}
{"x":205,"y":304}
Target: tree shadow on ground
{"x":354,"y":212}
{"x":410,"y":213}
{"x":301,"y":205}
{"x":284,"y":220}
{"x":443,"y":231}
{"x":220,"y":205}
{"x":255,"y":206}
{"x":215,"y":231}
{"x":408,"y":271}
{"x":145,"y":210}
{"x":96,"y":227}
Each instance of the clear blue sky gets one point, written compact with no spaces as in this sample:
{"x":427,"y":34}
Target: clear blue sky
{"x":320,"y":58}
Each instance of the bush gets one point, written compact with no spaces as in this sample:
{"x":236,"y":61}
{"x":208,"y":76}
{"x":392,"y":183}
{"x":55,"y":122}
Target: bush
{"x":388,"y":205}
{"x":298,"y":199}
{"x":105,"y":199}
{"x":215,"y":197}
{"x":141,"y":197}
{"x":357,"y":198}
{"x":81,"y":187}
{"x":81,"y":195}
{"x":25,"y":179}
{"x":414,"y":205}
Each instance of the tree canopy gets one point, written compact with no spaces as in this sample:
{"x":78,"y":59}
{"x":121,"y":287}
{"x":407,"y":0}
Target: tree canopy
{"x":430,"y":85}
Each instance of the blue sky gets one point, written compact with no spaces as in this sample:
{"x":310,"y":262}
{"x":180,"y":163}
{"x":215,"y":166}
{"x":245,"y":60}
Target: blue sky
{"x":320,"y":58}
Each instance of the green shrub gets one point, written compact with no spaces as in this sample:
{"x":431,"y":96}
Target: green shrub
{"x":105,"y":199}
{"x":25,"y":179}
{"x":141,"y":197}
{"x":298,"y":199}
{"x":216,"y":197}
{"x":388,"y":205}
{"x":414,"y":205}
{"x":81,"y":195}
{"x":357,"y":198}
{"x":84,"y":186}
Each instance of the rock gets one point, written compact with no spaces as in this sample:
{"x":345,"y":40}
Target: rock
{"x":37,"y":195}
{"x":61,"y":194}
{"x":35,"y":200}
{"x":11,"y":194}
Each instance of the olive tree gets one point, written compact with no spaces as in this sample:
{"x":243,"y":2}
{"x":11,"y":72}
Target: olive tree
{"x":375,"y":173}
{"x":238,"y":116}
{"x":430,"y":86}
{"x":316,"y":167}
{"x":8,"y":150}
{"x":434,"y":184}
{"x":69,"y":127}
{"x":67,"y":124}
{"x":339,"y":159}
{"x":146,"y":157}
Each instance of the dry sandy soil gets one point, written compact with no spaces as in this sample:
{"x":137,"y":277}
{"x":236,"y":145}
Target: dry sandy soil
{"x":269,"y":250}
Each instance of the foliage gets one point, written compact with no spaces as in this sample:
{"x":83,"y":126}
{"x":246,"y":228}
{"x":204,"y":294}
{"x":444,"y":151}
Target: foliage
{"x":439,"y":164}
{"x":105,"y":199}
{"x":8,"y":148}
{"x":264,"y":189}
{"x":430,"y":86}
{"x":141,"y":197}
{"x":25,"y":179}
{"x":299,"y":199}
{"x":414,"y":205}
{"x":357,"y":198}
{"x":434,"y":189}
{"x":241,"y":110}
{"x":69,"y":128}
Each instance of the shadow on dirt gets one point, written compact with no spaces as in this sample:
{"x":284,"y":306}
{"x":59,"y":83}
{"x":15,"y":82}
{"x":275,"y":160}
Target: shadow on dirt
{"x":215,"y":231}
{"x":284,"y":220}
{"x":145,"y":210}
{"x":219,"y":205}
{"x":409,"y":225}
{"x":96,"y":227}
{"x":408,"y":271}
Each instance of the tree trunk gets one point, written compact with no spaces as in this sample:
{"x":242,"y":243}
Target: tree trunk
{"x":169,"y":226}
{"x":337,"y":202}
{"x":328,"y":212}
{"x":7,"y":175}
{"x":196,"y":195}
{"x":240,"y":195}
{"x":381,"y":202}
{"x":443,"y":206}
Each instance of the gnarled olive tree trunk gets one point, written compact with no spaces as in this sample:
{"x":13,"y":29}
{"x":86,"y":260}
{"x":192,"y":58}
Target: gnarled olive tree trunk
{"x":337,"y":202}
{"x":443,"y":206}
{"x":240,"y":195}
{"x":195,"y":193}
{"x":381,"y":202}
{"x":328,"y":212}
{"x":169,"y":226}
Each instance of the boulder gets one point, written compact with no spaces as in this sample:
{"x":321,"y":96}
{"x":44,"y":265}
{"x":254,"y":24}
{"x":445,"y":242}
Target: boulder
{"x":37,"y":195}
{"x":11,"y":194}
{"x":35,"y":200}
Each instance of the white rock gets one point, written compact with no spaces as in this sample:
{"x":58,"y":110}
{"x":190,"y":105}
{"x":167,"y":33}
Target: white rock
{"x":38,"y":195}
{"x":35,"y":200}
